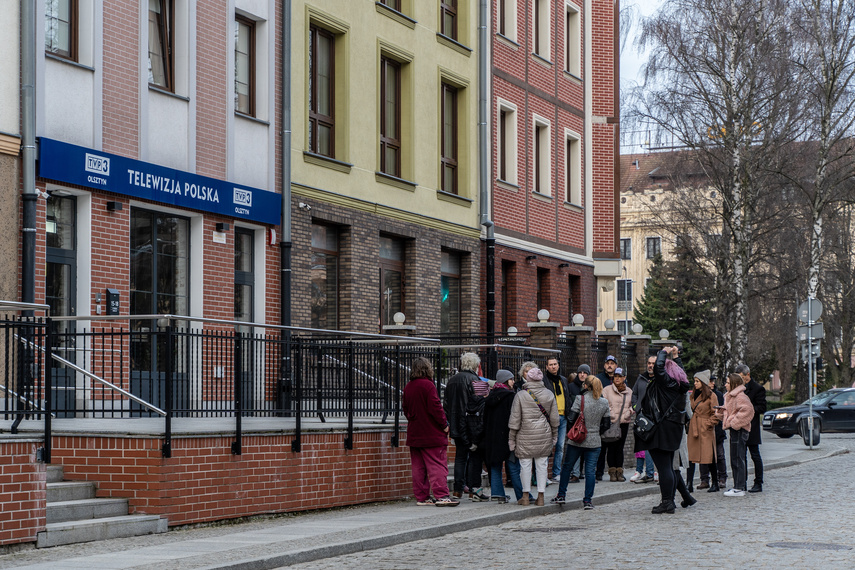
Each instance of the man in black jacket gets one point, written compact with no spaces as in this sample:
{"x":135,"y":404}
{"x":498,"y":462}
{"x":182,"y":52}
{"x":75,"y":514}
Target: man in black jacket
{"x":638,"y":388}
{"x":557,"y":384}
{"x":455,"y":399}
{"x":757,"y":394}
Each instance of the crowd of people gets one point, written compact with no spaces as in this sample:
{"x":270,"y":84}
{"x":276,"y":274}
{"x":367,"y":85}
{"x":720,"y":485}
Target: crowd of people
{"x":515,"y":424}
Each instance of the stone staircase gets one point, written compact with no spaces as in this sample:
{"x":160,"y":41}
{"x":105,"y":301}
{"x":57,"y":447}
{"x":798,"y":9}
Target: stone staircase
{"x":75,"y":515}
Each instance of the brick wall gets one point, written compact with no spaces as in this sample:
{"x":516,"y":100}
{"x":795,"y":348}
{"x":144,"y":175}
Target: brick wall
{"x":204,"y":481}
{"x":22,"y":492}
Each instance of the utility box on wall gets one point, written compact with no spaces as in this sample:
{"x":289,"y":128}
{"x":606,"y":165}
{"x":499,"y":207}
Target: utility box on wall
{"x":112,"y":301}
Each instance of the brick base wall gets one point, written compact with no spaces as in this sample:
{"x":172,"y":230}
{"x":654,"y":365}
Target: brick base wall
{"x":203,"y":481}
{"x":22,"y":492}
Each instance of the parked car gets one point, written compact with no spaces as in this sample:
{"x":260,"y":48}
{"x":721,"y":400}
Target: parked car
{"x":833,"y":411}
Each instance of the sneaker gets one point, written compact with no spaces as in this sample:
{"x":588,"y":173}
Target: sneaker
{"x":644,"y":479}
{"x":656,"y":476}
{"x":500,"y":498}
{"x":734,"y":493}
{"x":588,"y":505}
{"x":446,"y":502}
{"x":558,"y":500}
{"x":550,"y":482}
{"x":429,"y":502}
{"x":457,"y":494}
{"x":477,"y":496}
{"x":636,"y":476}
{"x":574,"y":479}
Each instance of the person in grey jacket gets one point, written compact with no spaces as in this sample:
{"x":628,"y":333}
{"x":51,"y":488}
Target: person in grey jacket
{"x":596,"y":407}
{"x":533,"y":431}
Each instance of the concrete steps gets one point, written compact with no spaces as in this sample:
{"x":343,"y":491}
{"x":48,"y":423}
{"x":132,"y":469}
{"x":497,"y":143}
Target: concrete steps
{"x":75,"y":515}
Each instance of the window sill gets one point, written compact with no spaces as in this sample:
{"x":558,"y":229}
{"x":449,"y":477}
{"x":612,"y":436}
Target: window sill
{"x":505,"y":185}
{"x":453,"y":198}
{"x":162,"y":91}
{"x":327,"y":162}
{"x":573,"y":77}
{"x":539,"y":196}
{"x":251,"y":118}
{"x":573,"y":207}
{"x":68,"y":61}
{"x":395,"y":15}
{"x":395,"y":181}
{"x":505,"y":39}
{"x":542,"y":60}
{"x":453,"y":44}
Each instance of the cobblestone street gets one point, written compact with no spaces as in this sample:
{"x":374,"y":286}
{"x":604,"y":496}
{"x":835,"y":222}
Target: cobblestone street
{"x":802,"y":519}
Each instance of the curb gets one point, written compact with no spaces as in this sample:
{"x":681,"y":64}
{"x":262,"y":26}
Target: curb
{"x":391,"y":539}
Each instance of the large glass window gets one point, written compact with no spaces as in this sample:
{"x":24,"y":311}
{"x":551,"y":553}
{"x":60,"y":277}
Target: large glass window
{"x":449,"y":139}
{"x":390,"y":117}
{"x":624,"y":294}
{"x":626,"y":248}
{"x":161,"y":43}
{"x":448,"y":13}
{"x":244,"y":275}
{"x":321,"y":91}
{"x":245,"y":66}
{"x":654,"y":247}
{"x":61,"y":28}
{"x":543,"y":292}
{"x":324,"y":277}
{"x":450,"y":291}
{"x":391,"y":279}
{"x":160,"y":261}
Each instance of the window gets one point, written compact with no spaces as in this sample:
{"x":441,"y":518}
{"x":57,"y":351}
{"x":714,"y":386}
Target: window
{"x":61,"y":28}
{"x":574,"y":296}
{"x":450,"y":291}
{"x":508,"y":293}
{"x":624,"y":294}
{"x":573,"y":167}
{"x":448,"y":160}
{"x":624,"y":327}
{"x":161,"y":43}
{"x":244,"y":275}
{"x":245,"y":66}
{"x":390,"y":117}
{"x":572,"y":40}
{"x":626,"y":248}
{"x":321,"y":92}
{"x":542,"y":162}
{"x":507,"y":152}
{"x":543,"y":296}
{"x":448,"y":18}
{"x":541,"y":28}
{"x":324,"y":277}
{"x":654,"y":247}
{"x":507,"y":16}
{"x":393,"y":4}
{"x":391,"y":279}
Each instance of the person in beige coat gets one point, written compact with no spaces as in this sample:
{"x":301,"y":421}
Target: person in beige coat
{"x":533,"y":431}
{"x":619,"y":397}
{"x":701,"y":436}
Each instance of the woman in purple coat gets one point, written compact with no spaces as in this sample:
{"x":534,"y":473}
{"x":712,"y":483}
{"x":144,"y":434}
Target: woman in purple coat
{"x":427,"y":437}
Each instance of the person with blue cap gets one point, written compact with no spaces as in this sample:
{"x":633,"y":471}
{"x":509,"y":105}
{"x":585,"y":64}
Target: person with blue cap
{"x":606,"y":377}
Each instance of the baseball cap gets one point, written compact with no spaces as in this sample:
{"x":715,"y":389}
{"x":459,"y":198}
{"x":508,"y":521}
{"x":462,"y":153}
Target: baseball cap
{"x":610,"y":357}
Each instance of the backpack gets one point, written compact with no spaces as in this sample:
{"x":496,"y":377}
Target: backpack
{"x":475,"y":407}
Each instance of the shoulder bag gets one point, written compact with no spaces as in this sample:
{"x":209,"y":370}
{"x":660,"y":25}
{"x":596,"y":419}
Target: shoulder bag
{"x":579,"y":431}
{"x":613,"y":433}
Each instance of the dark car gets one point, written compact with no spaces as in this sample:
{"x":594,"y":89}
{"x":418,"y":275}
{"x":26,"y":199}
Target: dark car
{"x":833,"y":411}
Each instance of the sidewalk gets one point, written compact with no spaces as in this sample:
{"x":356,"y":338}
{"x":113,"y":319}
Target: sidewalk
{"x":281,"y":541}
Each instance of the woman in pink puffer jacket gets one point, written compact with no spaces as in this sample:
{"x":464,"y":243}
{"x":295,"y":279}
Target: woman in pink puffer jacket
{"x":736,"y":416}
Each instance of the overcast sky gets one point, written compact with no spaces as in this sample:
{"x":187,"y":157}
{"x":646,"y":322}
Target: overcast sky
{"x":630,"y":60}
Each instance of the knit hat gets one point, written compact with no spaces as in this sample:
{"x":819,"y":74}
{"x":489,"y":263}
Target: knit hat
{"x":502,"y":376}
{"x":703,"y":376}
{"x":584,"y":368}
{"x":534,"y":374}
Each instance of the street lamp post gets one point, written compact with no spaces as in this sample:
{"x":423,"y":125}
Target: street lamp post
{"x":625,"y":304}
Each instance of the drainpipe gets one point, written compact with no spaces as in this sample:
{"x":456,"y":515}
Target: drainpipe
{"x":484,"y":172}
{"x":285,"y":241}
{"x":28,"y":154}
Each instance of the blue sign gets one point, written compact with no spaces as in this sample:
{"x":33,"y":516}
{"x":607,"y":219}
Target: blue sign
{"x":73,"y":164}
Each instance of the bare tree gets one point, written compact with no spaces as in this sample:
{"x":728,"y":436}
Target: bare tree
{"x":718,"y":83}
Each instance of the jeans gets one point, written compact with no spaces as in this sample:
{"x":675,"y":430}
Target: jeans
{"x":644,"y":465}
{"x":559,"y":447}
{"x":430,"y":472}
{"x":572,"y":455}
{"x":467,"y":467}
{"x":497,"y":487}
{"x":738,"y":461}
{"x":718,"y":469}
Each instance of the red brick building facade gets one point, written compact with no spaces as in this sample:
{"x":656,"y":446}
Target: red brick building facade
{"x":553,"y":186}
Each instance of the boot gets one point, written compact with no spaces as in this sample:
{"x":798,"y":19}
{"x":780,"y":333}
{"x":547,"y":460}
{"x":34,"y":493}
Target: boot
{"x":714,"y":488}
{"x":612,"y":476}
{"x":688,"y":501}
{"x":524,"y":500}
{"x":539,"y":501}
{"x":619,"y":474}
{"x":664,"y":507}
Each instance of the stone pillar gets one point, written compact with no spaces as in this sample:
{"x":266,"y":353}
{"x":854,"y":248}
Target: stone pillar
{"x":581,"y":336}
{"x":642,"y":349}
{"x":399,"y":330}
{"x":612,"y":340}
{"x":544,"y":335}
